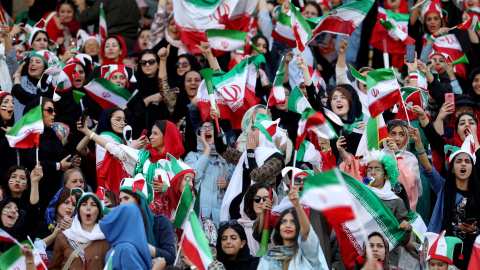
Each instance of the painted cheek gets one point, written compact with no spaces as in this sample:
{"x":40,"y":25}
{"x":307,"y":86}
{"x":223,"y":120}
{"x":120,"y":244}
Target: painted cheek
{"x":24,"y":184}
{"x":5,"y":212}
{"x":11,"y":182}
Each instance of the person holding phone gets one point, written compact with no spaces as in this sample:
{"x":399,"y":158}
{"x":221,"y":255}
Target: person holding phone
{"x":63,"y":20}
{"x":456,"y":209}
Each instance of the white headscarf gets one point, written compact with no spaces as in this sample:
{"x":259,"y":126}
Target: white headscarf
{"x":78,"y":234}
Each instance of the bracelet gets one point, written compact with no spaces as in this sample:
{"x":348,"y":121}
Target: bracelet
{"x":59,"y":166}
{"x":91,"y":135}
{"x":399,"y":157}
{"x":30,"y":262}
{"x":413,"y":75}
{"x":15,"y":75}
{"x":397,"y":153}
{"x":421,"y":153}
{"x":419,"y":149}
{"x":240,"y":51}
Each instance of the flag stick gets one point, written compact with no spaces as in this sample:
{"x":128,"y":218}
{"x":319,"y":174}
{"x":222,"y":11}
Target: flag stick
{"x":302,"y":5}
{"x":266,"y":231}
{"x":385,"y":54}
{"x":41,"y":261}
{"x":455,"y":27}
{"x":404,"y":107}
{"x":292,"y":181}
{"x":1,"y":17}
{"x":254,"y":47}
{"x":417,"y":5}
{"x":179,"y":248}
{"x":36,"y":151}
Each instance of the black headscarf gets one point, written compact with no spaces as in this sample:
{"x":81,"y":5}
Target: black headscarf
{"x":244,"y":259}
{"x":470,"y":91}
{"x":104,"y":123}
{"x":17,"y":227}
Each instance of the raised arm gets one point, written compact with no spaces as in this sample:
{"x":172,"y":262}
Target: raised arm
{"x":35,"y":177}
{"x":205,"y":48}
{"x":302,"y":217}
{"x":421,"y":152}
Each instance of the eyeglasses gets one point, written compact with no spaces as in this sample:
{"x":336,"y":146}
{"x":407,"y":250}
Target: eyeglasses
{"x":298,"y":180}
{"x":376,"y":170}
{"x":145,"y":63}
{"x":231,"y":222}
{"x":397,"y":189}
{"x":464,"y":109}
{"x":397,"y":122}
{"x":50,"y":110}
{"x":93,"y":45}
{"x":182,"y":64}
{"x":205,"y":128}
{"x":259,"y":199}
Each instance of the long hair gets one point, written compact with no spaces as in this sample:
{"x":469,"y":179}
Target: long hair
{"x":449,"y":195}
{"x":140,"y":75}
{"x":277,"y":237}
{"x":405,"y":131}
{"x":457,"y":120}
{"x":248,"y":199}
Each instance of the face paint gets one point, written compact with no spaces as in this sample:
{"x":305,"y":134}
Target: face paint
{"x":24,"y":184}
{"x":71,"y":199}
{"x":77,"y":75}
{"x":5,"y":212}
{"x":11,"y":182}
{"x":4,"y":107}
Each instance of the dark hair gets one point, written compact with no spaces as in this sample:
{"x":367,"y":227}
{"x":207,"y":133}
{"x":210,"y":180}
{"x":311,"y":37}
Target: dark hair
{"x":45,"y":100}
{"x":140,"y":73}
{"x":248,"y":199}
{"x":202,"y":123}
{"x":245,"y":251}
{"x":424,"y":24}
{"x":162,"y":125}
{"x":109,"y":194}
{"x":85,"y":199}
{"x":136,"y":196}
{"x":254,"y":41}
{"x":181,"y":85}
{"x":277,"y":237}
{"x":457,"y":120}
{"x":9,"y":174}
{"x":67,"y":2}
{"x":345,"y":92}
{"x":38,"y":32}
{"x":106,"y":124}
{"x":316,"y":6}
{"x":64,"y":194}
{"x":144,"y":218}
{"x":114,"y":37}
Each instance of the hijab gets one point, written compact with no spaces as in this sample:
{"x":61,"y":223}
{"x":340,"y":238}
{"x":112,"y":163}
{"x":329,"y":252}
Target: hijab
{"x":244,"y":260}
{"x":386,"y":261}
{"x":51,"y":211}
{"x":471,"y":91}
{"x":17,"y":227}
{"x":173,"y":142}
{"x":247,"y":123}
{"x":355,"y":112}
{"x":123,"y":47}
{"x":218,"y":160}
{"x":104,"y":123}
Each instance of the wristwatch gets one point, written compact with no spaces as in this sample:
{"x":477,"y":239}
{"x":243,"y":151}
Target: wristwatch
{"x":250,"y":155}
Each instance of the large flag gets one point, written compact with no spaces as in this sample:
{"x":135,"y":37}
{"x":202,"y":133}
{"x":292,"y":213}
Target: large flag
{"x":234,"y":91}
{"x":411,"y":96}
{"x":372,"y":215}
{"x":308,"y":153}
{"x":472,"y":24}
{"x":222,"y":41}
{"x":194,"y":16}
{"x":314,"y":121}
{"x":283,"y":30}
{"x":297,"y":102}
{"x":301,"y":29}
{"x":184,"y":207}
{"x":326,"y":192}
{"x":65,"y":78}
{"x":383,"y":90}
{"x":102,"y":24}
{"x":5,"y":237}
{"x":194,"y":242}
{"x":375,"y":133}
{"x":449,"y":45}
{"x":108,"y":94}
{"x":277,"y":94}
{"x":12,"y":259}
{"x":474,"y":263}
{"x":26,"y":132}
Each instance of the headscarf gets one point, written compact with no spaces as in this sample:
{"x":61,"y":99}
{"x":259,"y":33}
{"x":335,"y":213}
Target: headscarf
{"x":104,"y":124}
{"x":123,"y":46}
{"x":471,"y":91}
{"x":16,"y":229}
{"x":218,"y":160}
{"x":355,"y":112}
{"x":247,"y":123}
{"x":182,"y":48}
{"x":51,"y":211}
{"x":244,"y":260}
{"x":386,"y":261}
{"x":172,"y":139}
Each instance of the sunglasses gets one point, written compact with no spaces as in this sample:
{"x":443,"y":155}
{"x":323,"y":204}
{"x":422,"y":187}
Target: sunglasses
{"x":205,"y":128}
{"x":298,"y":180}
{"x":259,"y":199}
{"x":231,"y":222}
{"x":182,"y":64}
{"x":50,"y":110}
{"x":397,"y":122}
{"x":145,"y":63}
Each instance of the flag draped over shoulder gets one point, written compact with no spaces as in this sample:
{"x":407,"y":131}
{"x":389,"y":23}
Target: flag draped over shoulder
{"x":108,"y":94}
{"x":26,"y":132}
{"x":194,"y":16}
{"x":234,"y":91}
{"x":373,"y":215}
{"x":326,"y":192}
{"x":375,"y":133}
{"x":222,"y":41}
{"x":383,"y":90}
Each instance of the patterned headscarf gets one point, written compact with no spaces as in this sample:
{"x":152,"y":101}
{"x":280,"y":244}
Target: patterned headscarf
{"x":62,"y":130}
{"x":61,"y":196}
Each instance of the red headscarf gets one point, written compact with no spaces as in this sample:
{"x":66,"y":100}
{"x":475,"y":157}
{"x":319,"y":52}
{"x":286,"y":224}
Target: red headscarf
{"x":172,"y":139}
{"x":107,"y":61}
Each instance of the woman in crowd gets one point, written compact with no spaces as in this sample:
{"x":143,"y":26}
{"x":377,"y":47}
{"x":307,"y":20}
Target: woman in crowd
{"x":456,"y":195}
{"x":437,"y":258}
{"x":232,"y":247}
{"x":128,"y":240}
{"x":9,"y":155}
{"x":73,"y":178}
{"x":251,"y":208}
{"x":159,"y":227}
{"x":296,"y":246}
{"x":62,"y":23}
{"x":85,"y":236}
{"x":90,"y":44}
{"x":380,"y":251}
{"x":212,"y":172}
{"x":19,"y":185}
{"x":112,"y":50}
{"x":38,"y":39}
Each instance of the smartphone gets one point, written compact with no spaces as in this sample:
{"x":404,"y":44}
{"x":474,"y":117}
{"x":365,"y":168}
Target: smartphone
{"x":345,"y":135}
{"x":144,"y":133}
{"x":73,"y":42}
{"x":470,"y":221}
{"x":72,"y":159}
{"x":24,"y":21}
{"x":450,"y":97}
{"x":68,"y":218}
{"x":84,"y":116}
{"x":410,"y":53}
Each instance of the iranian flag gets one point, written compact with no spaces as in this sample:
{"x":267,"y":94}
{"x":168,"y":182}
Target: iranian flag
{"x":6,"y":17}
{"x":312,"y":120}
{"x":326,"y":192}
{"x":108,"y":94}
{"x":109,"y":264}
{"x":65,"y":78}
{"x":383,"y":91}
{"x":297,"y":102}
{"x":222,"y":41}
{"x":26,"y":132}
{"x":411,"y":96}
{"x":234,"y":91}
{"x":102,"y":24}
{"x":277,"y":94}
{"x":194,"y":242}
{"x":317,"y":79}
{"x":184,"y":207}
{"x":342,"y":20}
{"x":375,"y":133}
{"x":12,"y":259}
{"x":472,"y":24}
{"x":474,"y":263}
{"x":5,"y":237}
{"x":194,"y":16}
{"x":372,"y":215}
{"x":301,"y":29}
{"x":308,"y":153}
{"x":283,"y":30}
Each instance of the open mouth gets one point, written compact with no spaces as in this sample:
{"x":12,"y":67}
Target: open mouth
{"x":33,"y":69}
{"x":339,"y":106}
{"x":17,"y":186}
{"x":208,"y":136}
{"x":463,"y":170}
{"x":89,"y":216}
{"x":10,"y":112}
{"x":11,"y":217}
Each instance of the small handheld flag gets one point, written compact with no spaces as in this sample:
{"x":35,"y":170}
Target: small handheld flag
{"x":207,"y":74}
